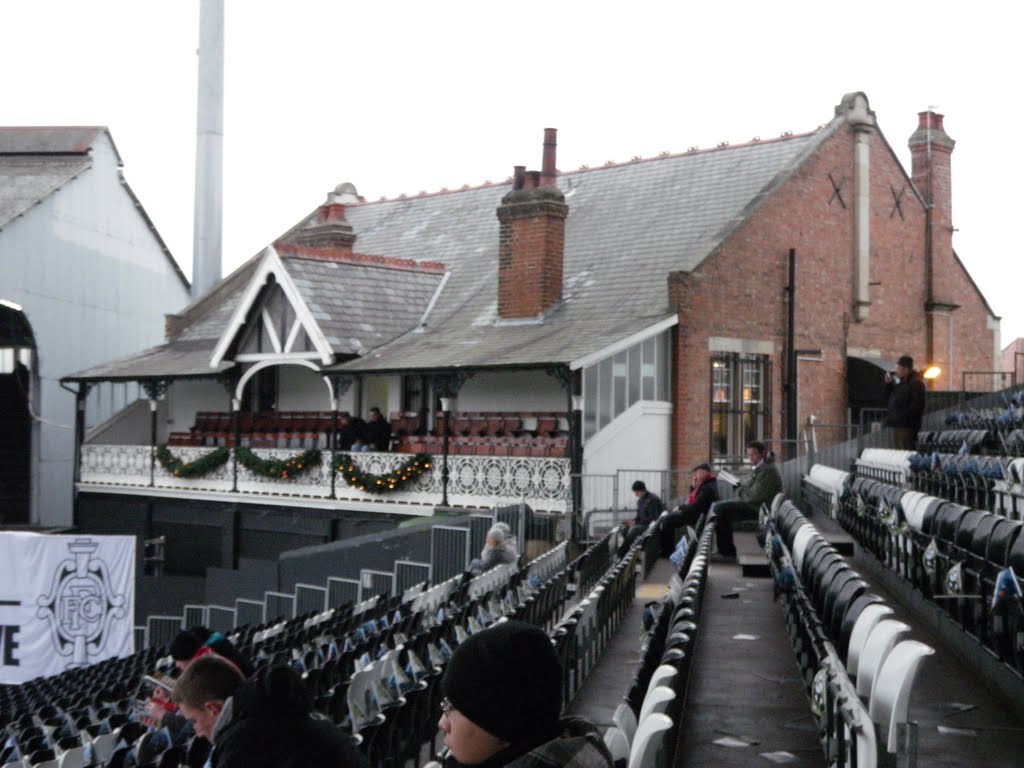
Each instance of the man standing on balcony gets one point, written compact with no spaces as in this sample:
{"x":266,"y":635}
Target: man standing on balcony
{"x":648,"y":508}
{"x":758,"y":488}
{"x":906,"y":403}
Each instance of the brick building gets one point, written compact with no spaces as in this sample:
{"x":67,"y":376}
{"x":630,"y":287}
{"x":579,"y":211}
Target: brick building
{"x":1012,"y":358}
{"x":650,"y":303}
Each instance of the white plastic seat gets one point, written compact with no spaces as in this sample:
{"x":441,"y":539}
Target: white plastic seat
{"x":73,"y":758}
{"x":803,"y":538}
{"x":655,"y":702}
{"x":650,"y":737}
{"x":872,"y":657}
{"x":890,"y":698}
{"x":103,"y":746}
{"x":869,"y":617}
{"x":664,"y":676}
{"x":625,"y":721}
{"x":617,"y":744}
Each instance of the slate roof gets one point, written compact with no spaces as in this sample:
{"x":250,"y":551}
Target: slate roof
{"x":360,"y":306}
{"x":629,"y":227}
{"x":178,"y":359}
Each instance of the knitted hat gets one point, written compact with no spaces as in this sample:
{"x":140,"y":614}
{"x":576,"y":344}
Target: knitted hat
{"x":187,"y":643}
{"x":507,"y":680}
{"x":906,"y":361}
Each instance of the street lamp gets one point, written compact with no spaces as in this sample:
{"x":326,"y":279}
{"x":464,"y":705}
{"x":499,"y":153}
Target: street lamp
{"x":446,"y":409}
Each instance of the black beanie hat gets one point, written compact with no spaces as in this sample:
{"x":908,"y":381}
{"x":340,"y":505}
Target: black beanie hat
{"x":187,"y":643}
{"x":508,"y":681}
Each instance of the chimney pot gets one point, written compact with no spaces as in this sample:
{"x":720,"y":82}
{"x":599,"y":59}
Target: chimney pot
{"x":532,"y":179}
{"x":548,"y":170}
{"x":518,"y":177}
{"x":923,"y":122}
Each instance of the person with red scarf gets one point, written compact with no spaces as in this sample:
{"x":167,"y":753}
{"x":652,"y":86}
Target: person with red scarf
{"x":703,"y":493}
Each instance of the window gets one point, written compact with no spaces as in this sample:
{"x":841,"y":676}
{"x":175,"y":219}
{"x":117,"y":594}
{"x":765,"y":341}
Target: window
{"x":615,"y":384}
{"x":739,"y":403}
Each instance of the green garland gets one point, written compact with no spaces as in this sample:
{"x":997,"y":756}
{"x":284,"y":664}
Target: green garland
{"x":278,"y":468}
{"x":204,"y":465}
{"x":389,"y":482}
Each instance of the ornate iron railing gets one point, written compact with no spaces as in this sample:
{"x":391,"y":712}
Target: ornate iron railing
{"x":474,"y":481}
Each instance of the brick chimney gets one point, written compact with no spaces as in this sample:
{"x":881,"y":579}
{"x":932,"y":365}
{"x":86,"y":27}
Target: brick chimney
{"x":531,"y":240}
{"x":930,"y":151}
{"x":328,"y":227}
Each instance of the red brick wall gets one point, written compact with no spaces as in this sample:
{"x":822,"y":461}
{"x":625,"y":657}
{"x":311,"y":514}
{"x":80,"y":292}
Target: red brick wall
{"x":530,"y":252}
{"x":739,"y":291}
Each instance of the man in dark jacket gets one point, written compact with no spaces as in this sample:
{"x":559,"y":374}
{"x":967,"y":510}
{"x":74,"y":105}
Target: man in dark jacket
{"x":256,"y":725}
{"x":758,"y":488}
{"x":502,"y":699}
{"x":703,"y":493}
{"x":906,"y":403}
{"x":376,"y":432}
{"x":648,"y":508}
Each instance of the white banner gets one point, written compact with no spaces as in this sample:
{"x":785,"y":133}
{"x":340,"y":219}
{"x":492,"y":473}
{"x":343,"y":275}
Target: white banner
{"x":65,"y":602}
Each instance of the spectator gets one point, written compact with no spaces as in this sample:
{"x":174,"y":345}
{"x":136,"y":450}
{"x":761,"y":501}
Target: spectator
{"x":349,"y":431}
{"x":503,"y":697}
{"x":252,"y":725}
{"x":376,"y":434}
{"x":703,"y":493}
{"x":188,"y":645}
{"x":648,"y":508}
{"x":199,"y":641}
{"x":759,"y":487}
{"x":906,"y":403}
{"x":499,"y":549}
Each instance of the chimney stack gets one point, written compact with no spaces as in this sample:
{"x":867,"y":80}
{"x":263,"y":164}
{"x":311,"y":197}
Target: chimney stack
{"x":931,"y":149}
{"x":328,"y":228}
{"x":531,"y":240}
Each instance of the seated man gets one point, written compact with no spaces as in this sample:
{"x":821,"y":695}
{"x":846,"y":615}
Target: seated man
{"x":759,"y":487}
{"x":376,"y":435}
{"x":502,"y":702}
{"x":499,"y":549}
{"x":648,"y":508}
{"x":260,"y":724}
{"x":703,"y":493}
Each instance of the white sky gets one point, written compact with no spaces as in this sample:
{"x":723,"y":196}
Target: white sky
{"x":408,"y":96}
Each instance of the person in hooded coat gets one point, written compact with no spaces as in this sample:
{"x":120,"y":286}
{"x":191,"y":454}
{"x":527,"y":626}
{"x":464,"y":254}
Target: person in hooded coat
{"x":502,"y":704}
{"x":499,"y":549}
{"x":266,"y":724}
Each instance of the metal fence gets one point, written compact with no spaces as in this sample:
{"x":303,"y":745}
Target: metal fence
{"x":449,"y":551}
{"x":375,"y":583}
{"x":342,"y":592}
{"x":408,"y":574}
{"x":310,"y":598}
{"x":221,"y":618}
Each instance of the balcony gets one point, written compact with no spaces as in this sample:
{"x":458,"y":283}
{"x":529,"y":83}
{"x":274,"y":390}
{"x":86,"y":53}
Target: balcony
{"x":474,"y":481}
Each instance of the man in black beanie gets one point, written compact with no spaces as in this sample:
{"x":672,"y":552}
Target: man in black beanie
{"x":502,"y":703}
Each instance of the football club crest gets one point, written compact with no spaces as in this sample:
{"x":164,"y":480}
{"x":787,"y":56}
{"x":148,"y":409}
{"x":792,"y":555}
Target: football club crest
{"x":81,"y":604}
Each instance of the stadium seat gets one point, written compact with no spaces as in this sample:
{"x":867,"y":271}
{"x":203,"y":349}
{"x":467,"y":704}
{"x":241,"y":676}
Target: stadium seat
{"x":649,"y":741}
{"x":879,"y":644}
{"x":890,"y":698}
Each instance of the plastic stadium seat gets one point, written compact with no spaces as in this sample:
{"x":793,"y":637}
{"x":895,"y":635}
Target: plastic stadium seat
{"x":73,"y":758}
{"x":625,"y":720}
{"x":880,"y":642}
{"x":649,"y":740}
{"x":656,"y":701}
{"x":804,"y":535}
{"x":617,"y":745}
{"x":849,"y":620}
{"x":664,"y":675}
{"x":869,"y":617}
{"x":890,"y":699}
{"x":1004,"y":536}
